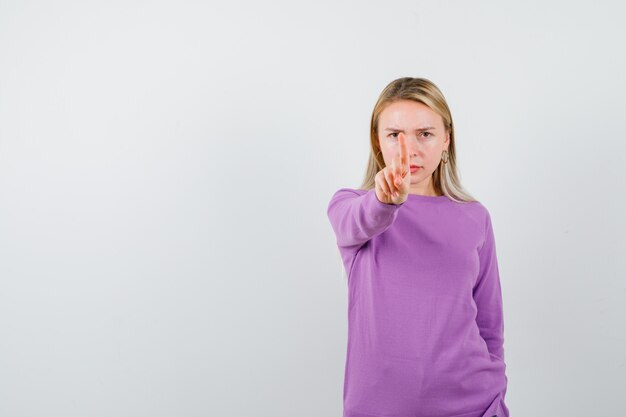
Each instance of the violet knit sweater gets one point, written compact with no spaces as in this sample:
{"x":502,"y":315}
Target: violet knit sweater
{"x":425,"y":316}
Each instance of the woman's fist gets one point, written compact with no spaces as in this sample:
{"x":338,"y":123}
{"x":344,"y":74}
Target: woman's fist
{"x":392,"y":182}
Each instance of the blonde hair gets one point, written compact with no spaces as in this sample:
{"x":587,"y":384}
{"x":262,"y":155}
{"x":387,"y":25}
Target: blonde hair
{"x":445,"y":178}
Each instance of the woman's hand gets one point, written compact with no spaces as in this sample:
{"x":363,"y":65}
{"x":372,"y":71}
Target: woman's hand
{"x":392,"y":183}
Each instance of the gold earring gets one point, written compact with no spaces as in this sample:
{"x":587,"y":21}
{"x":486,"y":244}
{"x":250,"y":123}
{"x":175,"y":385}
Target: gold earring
{"x":444,"y":157}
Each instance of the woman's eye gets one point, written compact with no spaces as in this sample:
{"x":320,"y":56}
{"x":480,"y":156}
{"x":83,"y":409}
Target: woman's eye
{"x":394,"y":133}
{"x":428,"y":133}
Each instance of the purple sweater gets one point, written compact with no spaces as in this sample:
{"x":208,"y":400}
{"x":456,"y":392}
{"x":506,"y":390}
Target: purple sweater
{"x":425,"y":317}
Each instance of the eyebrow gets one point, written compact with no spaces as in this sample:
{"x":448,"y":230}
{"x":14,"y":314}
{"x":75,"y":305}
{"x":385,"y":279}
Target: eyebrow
{"x":421,"y":129}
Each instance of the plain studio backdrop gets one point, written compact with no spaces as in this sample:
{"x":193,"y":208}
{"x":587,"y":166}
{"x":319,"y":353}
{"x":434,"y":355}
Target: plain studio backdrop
{"x":165,"y":169}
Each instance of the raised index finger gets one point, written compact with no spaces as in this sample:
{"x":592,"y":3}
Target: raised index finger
{"x":404,"y":155}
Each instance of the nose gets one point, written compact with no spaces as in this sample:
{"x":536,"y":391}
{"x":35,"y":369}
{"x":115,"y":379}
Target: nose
{"x":413,"y":145}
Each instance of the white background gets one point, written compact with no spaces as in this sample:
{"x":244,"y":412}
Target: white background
{"x":165,"y":169}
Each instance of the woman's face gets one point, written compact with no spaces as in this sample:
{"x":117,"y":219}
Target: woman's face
{"x":425,"y":136}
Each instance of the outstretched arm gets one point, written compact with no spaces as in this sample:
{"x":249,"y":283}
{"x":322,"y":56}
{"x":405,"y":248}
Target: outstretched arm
{"x":357,"y":218}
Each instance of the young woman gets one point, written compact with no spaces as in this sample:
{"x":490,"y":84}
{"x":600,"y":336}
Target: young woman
{"x":425,"y":316}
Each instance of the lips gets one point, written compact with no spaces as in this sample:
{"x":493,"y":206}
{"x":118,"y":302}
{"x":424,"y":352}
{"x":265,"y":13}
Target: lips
{"x":415,"y":166}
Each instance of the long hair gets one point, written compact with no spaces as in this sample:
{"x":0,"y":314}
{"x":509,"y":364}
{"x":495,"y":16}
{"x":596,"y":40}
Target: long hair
{"x":445,"y":178}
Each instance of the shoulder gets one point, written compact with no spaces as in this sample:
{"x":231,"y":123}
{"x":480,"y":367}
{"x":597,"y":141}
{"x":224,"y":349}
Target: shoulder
{"x":478,"y":207}
{"x":348,"y":192}
{"x":477,"y":212}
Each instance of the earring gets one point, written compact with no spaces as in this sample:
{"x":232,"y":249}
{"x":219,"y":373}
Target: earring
{"x":444,"y":157}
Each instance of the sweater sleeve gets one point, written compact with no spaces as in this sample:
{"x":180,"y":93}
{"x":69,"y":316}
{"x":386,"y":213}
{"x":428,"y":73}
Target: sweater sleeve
{"x":487,"y":294}
{"x":356,"y":218}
